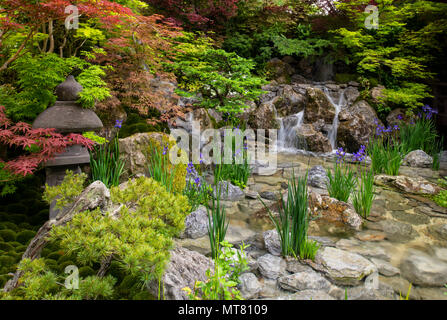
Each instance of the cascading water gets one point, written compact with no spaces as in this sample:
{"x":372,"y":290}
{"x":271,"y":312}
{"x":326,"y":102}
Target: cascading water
{"x":332,"y":134}
{"x":287,"y":138}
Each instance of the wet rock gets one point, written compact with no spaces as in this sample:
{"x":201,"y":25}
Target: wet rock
{"x":312,"y":140}
{"x":415,"y":185}
{"x":290,"y":102}
{"x":351,"y":94}
{"x":317,"y":177}
{"x":370,"y":235}
{"x":184,"y":269}
{"x":343,"y":267}
{"x":229,"y":192}
{"x":295,"y":266}
{"x":332,"y":210}
{"x":196,"y":224}
{"x":356,"y":126}
{"x":264,"y":117}
{"x":306,"y":280}
{"x":398,"y":231}
{"x":385,"y":268}
{"x":399,"y":285}
{"x":271,"y":267}
{"x":249,"y":286}
{"x":366,"y":249}
{"x":272,"y":242}
{"x":430,"y":293}
{"x":323,"y":241}
{"x":413,"y":218}
{"x":424,"y":270}
{"x":251,"y":194}
{"x":419,"y":159}
{"x":441,"y":253}
{"x":362,"y":293}
{"x":318,"y":107}
{"x":269,"y":195}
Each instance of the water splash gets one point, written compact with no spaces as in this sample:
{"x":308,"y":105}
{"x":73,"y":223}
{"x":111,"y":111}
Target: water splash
{"x":287,"y":137}
{"x":332,"y":134}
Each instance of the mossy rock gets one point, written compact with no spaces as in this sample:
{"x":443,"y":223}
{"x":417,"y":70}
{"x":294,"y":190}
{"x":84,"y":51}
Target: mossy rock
{"x":15,"y":244}
{"x":86,"y":271}
{"x":7,"y":260}
{"x":6,"y":247}
{"x":8,"y":235}
{"x":9,"y":226}
{"x":17,"y":208}
{"x":18,"y":218}
{"x":21,"y":249}
{"x":24,"y":226}
{"x":24,"y":237}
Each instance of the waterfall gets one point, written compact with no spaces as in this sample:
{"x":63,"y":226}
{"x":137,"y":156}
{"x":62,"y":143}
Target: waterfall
{"x":332,"y":134}
{"x":287,"y":138}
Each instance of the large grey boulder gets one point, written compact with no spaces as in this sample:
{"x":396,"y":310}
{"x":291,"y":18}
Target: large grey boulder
{"x":196,"y":224}
{"x":249,"y":286}
{"x":419,"y":159}
{"x":306,"y":280}
{"x":271,"y":267}
{"x":272,"y":242}
{"x":385,"y":268}
{"x":229,"y":192}
{"x":356,"y":126}
{"x":343,"y":267}
{"x":317,"y":177}
{"x":184,"y":269}
{"x":421,"y":269}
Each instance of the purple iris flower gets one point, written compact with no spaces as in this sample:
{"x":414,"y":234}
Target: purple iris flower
{"x":118,"y":123}
{"x":399,"y":117}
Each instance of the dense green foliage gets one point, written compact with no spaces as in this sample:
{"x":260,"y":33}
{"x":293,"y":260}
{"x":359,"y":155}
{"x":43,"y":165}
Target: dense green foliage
{"x":229,"y":263}
{"x":341,"y":182}
{"x":67,"y":191}
{"x":106,"y":164}
{"x":223,"y":79}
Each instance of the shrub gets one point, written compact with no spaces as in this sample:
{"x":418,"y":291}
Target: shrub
{"x":293,"y":221}
{"x":67,"y":191}
{"x":139,"y":240}
{"x":219,"y":79}
{"x":6,"y":247}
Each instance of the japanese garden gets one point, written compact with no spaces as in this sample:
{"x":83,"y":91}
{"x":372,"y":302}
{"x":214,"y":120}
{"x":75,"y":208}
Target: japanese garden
{"x":223,"y":150}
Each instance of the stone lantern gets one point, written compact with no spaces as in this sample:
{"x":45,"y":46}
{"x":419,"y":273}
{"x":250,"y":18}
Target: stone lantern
{"x":66,"y":116}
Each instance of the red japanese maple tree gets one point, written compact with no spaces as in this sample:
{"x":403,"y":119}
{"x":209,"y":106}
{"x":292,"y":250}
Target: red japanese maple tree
{"x":46,"y":142}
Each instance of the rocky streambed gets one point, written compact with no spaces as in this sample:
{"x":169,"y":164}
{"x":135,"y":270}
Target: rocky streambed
{"x":402,"y":242}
